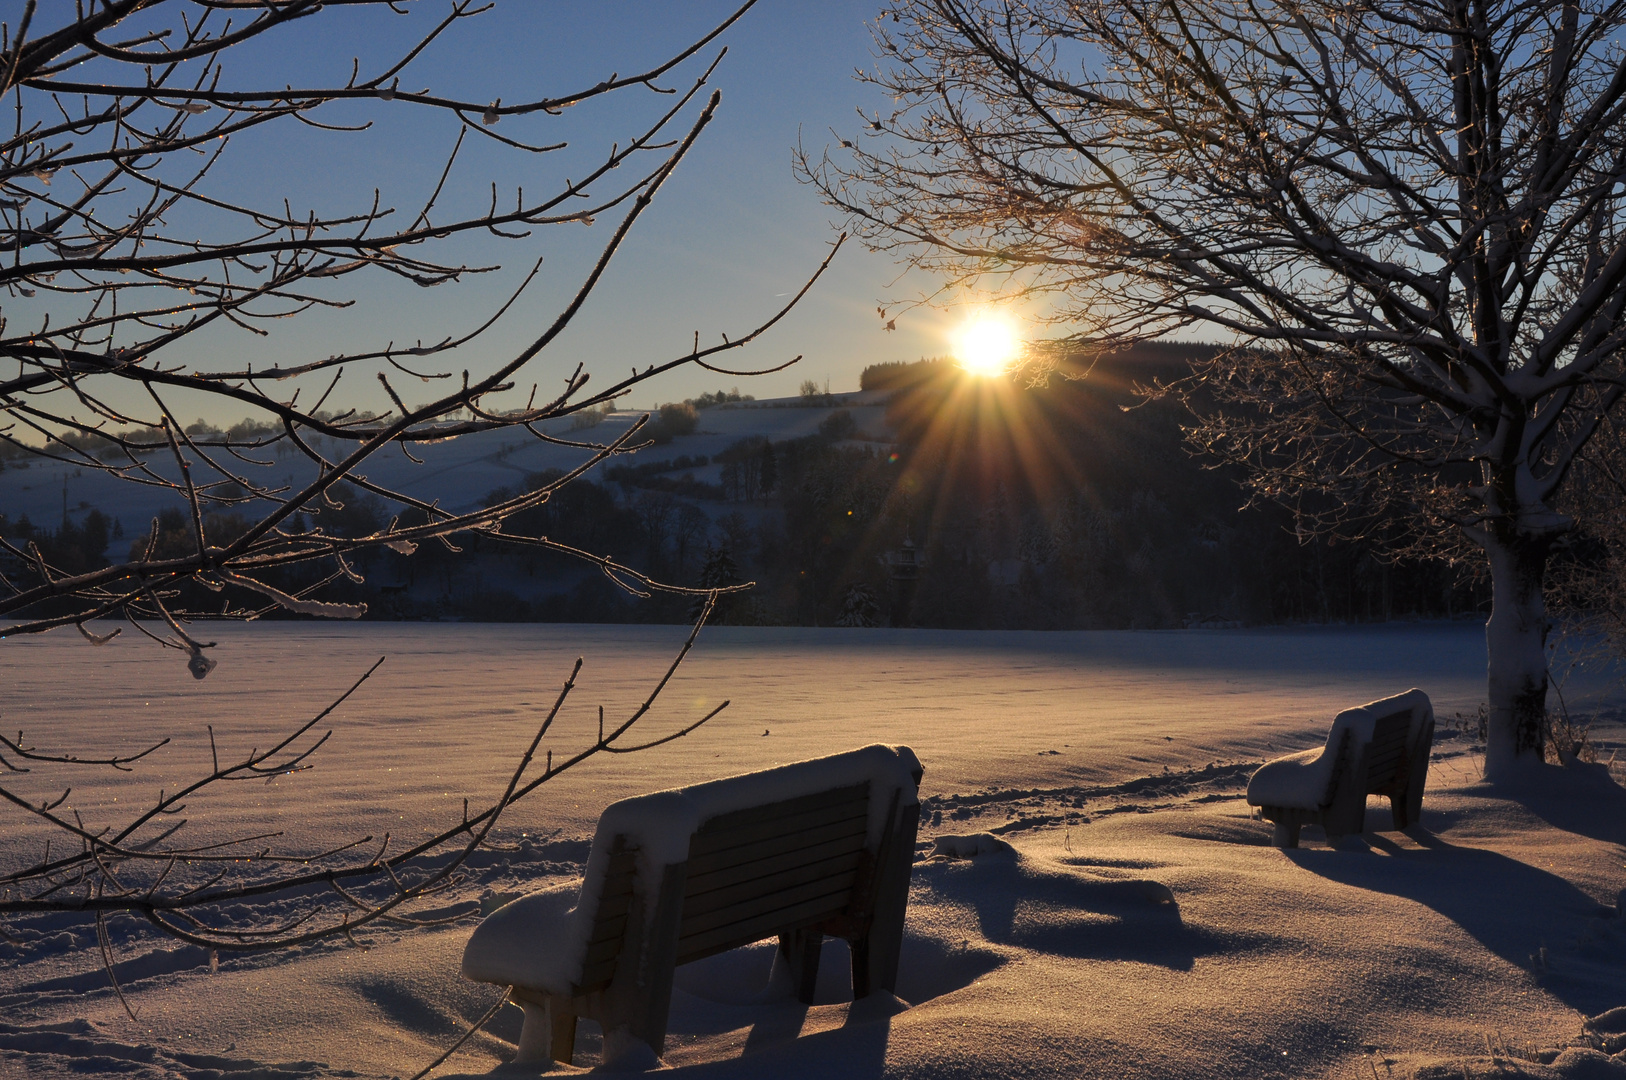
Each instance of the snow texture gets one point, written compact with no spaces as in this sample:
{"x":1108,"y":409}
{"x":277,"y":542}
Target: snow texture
{"x":1303,"y":780}
{"x":1143,"y":928}
{"x":949,"y":846}
{"x":538,"y":942}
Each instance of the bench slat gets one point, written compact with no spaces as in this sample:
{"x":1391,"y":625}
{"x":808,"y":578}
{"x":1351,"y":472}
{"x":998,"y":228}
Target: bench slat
{"x":822,"y":800}
{"x":784,"y":862}
{"x":611,"y":906}
{"x":712,"y":836}
{"x":1386,"y":750}
{"x":599,"y":963}
{"x":835,"y":891}
{"x":715,"y":843}
{"x":613,"y":928}
{"x":599,"y":951}
{"x":733,"y":935}
{"x":622,"y":863}
{"x":610,"y":920}
{"x":778,"y":844}
{"x":598,"y":976}
{"x":713,"y":896}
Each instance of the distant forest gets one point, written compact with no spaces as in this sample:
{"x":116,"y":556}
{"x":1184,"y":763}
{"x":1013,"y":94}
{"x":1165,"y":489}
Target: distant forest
{"x":1074,"y":505}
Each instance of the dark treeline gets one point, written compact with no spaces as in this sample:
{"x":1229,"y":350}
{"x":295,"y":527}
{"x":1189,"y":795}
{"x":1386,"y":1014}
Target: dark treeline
{"x":1071,"y":505}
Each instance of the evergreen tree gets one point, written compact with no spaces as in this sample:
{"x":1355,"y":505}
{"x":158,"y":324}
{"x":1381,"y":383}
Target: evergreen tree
{"x":719,"y":571}
{"x":858,"y":607}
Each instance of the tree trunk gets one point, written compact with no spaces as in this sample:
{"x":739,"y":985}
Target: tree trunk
{"x":1516,"y":648}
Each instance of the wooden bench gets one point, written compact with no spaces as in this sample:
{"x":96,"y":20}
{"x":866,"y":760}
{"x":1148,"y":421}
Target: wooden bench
{"x":821,"y":847}
{"x":1377,"y":749}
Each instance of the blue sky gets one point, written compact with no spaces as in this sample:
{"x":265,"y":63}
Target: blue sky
{"x":728,"y":239}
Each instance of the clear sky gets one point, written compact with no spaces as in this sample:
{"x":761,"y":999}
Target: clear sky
{"x":726,"y":242}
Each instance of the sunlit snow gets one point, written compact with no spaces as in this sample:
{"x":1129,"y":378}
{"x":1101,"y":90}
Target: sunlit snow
{"x":1139,"y":925}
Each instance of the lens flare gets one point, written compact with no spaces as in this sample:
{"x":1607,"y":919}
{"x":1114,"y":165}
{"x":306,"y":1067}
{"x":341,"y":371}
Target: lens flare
{"x":987,"y":345}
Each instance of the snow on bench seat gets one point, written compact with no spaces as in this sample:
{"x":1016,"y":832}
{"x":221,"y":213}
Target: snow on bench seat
{"x":1377,"y":749}
{"x":800,"y":851}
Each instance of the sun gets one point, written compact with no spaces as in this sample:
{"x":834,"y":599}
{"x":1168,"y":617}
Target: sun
{"x":987,"y":344}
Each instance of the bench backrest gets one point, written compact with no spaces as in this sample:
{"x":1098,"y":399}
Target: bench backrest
{"x":1386,"y":754}
{"x":755,"y":871}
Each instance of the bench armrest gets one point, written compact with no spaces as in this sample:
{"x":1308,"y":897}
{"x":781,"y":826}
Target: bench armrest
{"x":1300,"y":781}
{"x":537,"y":942}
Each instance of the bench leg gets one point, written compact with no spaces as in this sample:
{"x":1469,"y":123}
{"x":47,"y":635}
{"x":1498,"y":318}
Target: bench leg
{"x":801,"y":950}
{"x":1285,"y":835}
{"x":536,"y":1036}
{"x":564,"y":1030}
{"x":1397,"y":808}
{"x":861,"y":968}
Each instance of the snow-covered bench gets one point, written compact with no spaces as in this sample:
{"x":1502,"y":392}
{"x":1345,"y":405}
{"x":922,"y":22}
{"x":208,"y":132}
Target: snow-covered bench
{"x":1377,"y":749}
{"x":821,"y":847}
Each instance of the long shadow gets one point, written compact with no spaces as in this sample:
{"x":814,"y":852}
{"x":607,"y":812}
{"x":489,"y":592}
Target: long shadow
{"x":854,"y":1051}
{"x":1582,"y":799}
{"x":1068,"y":914}
{"x":1511,"y":908}
{"x":781,"y":1026}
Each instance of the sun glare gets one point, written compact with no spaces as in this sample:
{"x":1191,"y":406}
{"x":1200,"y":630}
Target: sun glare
{"x":987,"y":345}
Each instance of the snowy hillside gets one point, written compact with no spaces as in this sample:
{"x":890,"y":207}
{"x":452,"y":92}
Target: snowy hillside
{"x":457,"y":473}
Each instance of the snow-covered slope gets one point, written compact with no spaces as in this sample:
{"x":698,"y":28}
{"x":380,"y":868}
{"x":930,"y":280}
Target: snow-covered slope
{"x":458,"y":472}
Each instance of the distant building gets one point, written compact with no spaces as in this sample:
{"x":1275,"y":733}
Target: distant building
{"x":903,"y":569}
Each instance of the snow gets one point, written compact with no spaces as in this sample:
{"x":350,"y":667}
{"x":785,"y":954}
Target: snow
{"x":1141,"y":926}
{"x":661,"y":823}
{"x":1302,"y":780}
{"x":536,"y":942}
{"x":951,"y":846}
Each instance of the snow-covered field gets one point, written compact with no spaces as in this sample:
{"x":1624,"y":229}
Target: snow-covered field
{"x":1112,"y":762}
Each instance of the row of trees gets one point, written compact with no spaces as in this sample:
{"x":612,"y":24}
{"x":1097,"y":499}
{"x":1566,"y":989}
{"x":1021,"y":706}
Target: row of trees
{"x":1071,"y":505}
{"x":1075,"y":505}
{"x":1409,"y":216}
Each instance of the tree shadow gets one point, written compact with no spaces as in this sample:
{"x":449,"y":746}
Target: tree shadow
{"x":1511,"y":908}
{"x":1582,"y":799}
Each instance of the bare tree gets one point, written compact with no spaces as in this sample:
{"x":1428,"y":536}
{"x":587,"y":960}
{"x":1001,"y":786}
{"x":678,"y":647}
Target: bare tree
{"x":655,"y":510}
{"x":122,"y":248}
{"x":1589,"y":582}
{"x":689,"y":527}
{"x":123,"y":253}
{"x":1407,"y":215}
